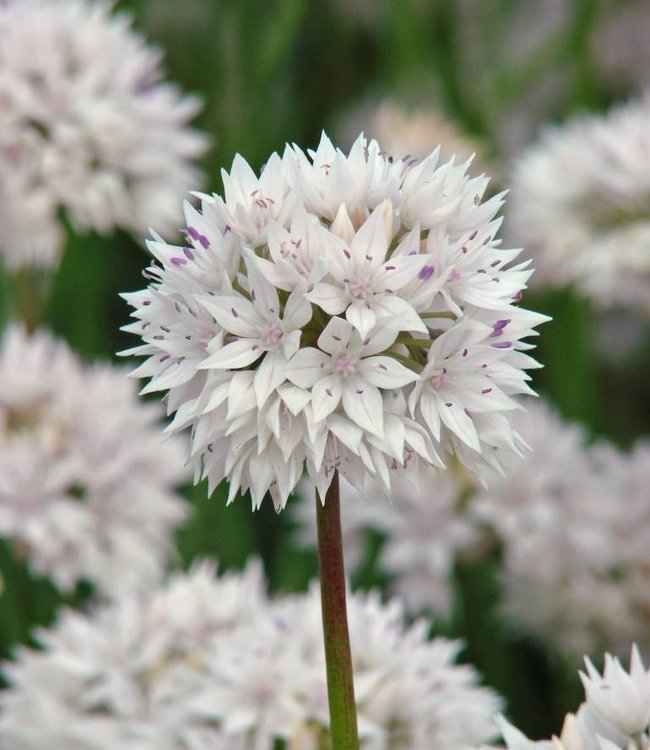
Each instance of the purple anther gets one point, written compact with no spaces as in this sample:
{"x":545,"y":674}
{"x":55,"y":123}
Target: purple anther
{"x":518,"y":297}
{"x":205,"y":242}
{"x":486,"y":390}
{"x":497,"y":328}
{"x":179,"y":261}
{"x":426,"y":272}
{"x":188,"y":253}
{"x":193,"y":233}
{"x":502,"y":345}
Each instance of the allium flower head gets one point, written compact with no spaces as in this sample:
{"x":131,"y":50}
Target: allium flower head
{"x":87,"y":126}
{"x":86,"y":483}
{"x":340,"y":312}
{"x":208,"y":663}
{"x":581,"y":206}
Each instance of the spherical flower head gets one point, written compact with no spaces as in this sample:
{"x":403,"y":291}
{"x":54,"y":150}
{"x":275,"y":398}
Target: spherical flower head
{"x":88,"y":127}
{"x":349,"y":313}
{"x":86,"y":482}
{"x":207,"y":662}
{"x":581,"y":206}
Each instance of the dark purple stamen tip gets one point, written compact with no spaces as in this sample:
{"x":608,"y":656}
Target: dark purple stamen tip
{"x":426,"y":272}
{"x":498,"y":327}
{"x":179,"y":261}
{"x":486,"y":390}
{"x":518,"y":297}
{"x":188,"y":253}
{"x":502,"y":345}
{"x":193,"y":233}
{"x":204,"y":241}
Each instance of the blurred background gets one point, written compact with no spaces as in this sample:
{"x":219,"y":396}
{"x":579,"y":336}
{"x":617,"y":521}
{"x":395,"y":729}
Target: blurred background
{"x":482,"y":76}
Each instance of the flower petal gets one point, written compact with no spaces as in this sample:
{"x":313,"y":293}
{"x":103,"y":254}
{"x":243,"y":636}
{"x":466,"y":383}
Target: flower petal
{"x":362,"y":317}
{"x":335,"y":336}
{"x":307,"y":367}
{"x":233,"y":356}
{"x":328,"y":297}
{"x":385,"y":372}
{"x":364,"y":405}
{"x":235,"y":314}
{"x":268,"y":376}
{"x":325,"y":396}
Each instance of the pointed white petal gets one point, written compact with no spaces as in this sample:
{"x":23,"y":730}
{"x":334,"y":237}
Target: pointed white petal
{"x":362,"y":317}
{"x":325,"y":396}
{"x":269,"y":375}
{"x":233,"y":356}
{"x":386,"y":372}
{"x":307,"y":367}
{"x":234,"y":314}
{"x":328,"y":297}
{"x":364,"y":405}
{"x":335,"y":336}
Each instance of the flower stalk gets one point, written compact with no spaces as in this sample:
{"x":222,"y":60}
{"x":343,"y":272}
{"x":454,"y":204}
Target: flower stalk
{"x":338,"y":656}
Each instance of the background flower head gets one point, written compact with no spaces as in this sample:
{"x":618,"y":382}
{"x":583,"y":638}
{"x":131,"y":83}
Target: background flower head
{"x":211,"y":662}
{"x":88,"y":127}
{"x":86,"y":481}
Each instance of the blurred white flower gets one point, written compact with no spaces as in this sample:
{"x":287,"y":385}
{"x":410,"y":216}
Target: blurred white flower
{"x":87,"y":126}
{"x":414,"y":130}
{"x":614,"y":716}
{"x":291,"y":327}
{"x":86,"y":482}
{"x":573,"y":523}
{"x":581,"y":205}
{"x":211,"y":663}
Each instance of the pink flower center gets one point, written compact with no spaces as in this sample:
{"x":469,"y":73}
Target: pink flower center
{"x":360,"y":289}
{"x":346,"y":364}
{"x":271,"y":334}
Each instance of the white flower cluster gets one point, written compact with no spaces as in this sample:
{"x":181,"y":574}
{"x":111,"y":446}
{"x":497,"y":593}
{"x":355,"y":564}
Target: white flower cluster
{"x":87,"y":126}
{"x":581,"y":203}
{"x":573,"y":521}
{"x":614,"y":716}
{"x":340,"y":312}
{"x":207,"y":663}
{"x":82,"y":463}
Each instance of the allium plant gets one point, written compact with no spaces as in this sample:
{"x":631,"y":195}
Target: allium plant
{"x":88,"y":128}
{"x":339,"y":314}
{"x":210,"y":663}
{"x":82,"y":463}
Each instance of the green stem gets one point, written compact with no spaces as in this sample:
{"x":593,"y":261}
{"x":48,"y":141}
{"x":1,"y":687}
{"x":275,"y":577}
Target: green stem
{"x":338,"y":656}
{"x":410,"y":341}
{"x":29,"y":288}
{"x":444,"y":315}
{"x":411,"y":364}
